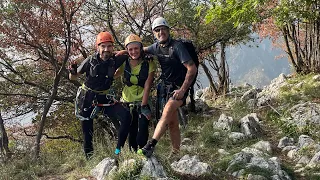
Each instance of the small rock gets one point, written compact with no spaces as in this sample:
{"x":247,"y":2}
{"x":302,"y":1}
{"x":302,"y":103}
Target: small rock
{"x":303,"y":160}
{"x":263,"y":146}
{"x":236,"y":136}
{"x":285,"y":141}
{"x":292,"y":153}
{"x":223,"y":152}
{"x":186,"y":141}
{"x":316,"y":77}
{"x":315,"y":161}
{"x":256,"y":177}
{"x":190,"y":166}
{"x":304,"y":141}
{"x":289,"y":148}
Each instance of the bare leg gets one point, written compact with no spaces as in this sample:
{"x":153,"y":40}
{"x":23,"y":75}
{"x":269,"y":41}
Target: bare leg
{"x":175,"y":132}
{"x":170,"y":117}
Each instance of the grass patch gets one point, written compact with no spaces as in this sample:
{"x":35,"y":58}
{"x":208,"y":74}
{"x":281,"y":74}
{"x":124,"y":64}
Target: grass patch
{"x":130,"y":171}
{"x":239,"y":110}
{"x":289,"y":170}
{"x":255,"y":170}
{"x":287,"y":129}
{"x":307,"y":90}
{"x":209,"y":138}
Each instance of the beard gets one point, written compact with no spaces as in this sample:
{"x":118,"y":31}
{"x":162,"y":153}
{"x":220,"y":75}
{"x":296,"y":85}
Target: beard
{"x":163,"y":42}
{"x":105,"y":55}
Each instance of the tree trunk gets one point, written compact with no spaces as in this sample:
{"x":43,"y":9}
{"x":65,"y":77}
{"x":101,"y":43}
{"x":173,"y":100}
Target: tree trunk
{"x":223,"y":86}
{"x":209,"y":76}
{"x":4,"y":142}
{"x":45,"y":112}
{"x":289,"y":52}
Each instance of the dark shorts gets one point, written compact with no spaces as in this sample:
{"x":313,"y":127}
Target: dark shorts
{"x":166,"y":90}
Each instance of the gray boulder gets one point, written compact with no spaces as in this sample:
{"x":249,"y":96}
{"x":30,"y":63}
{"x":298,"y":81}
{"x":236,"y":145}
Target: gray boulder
{"x":190,"y":166}
{"x":315,"y":161}
{"x":224,"y":123}
{"x":305,"y":141}
{"x":263,"y":146}
{"x":271,"y":91}
{"x":250,"y":94}
{"x":153,"y":168}
{"x":250,"y":125}
{"x":103,"y":168}
{"x":305,"y":114}
{"x":250,"y":158}
{"x":256,"y":177}
{"x":237,"y":136}
{"x":285,"y":141}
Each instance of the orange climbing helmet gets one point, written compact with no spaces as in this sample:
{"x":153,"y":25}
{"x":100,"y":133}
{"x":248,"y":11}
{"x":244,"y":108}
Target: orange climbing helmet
{"x":104,"y":37}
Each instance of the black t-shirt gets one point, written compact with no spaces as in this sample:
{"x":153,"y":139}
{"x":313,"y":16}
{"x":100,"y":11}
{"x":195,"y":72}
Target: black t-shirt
{"x":99,"y":73}
{"x":172,"y":67}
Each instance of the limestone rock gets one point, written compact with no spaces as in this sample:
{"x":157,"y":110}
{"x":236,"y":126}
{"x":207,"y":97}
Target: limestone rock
{"x":190,"y":166}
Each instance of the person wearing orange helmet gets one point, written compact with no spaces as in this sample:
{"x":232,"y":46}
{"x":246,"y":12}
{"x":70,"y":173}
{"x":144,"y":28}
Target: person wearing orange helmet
{"x":95,"y":94}
{"x":138,"y":74}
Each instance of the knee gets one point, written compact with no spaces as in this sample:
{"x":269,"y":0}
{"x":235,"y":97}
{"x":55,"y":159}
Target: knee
{"x":173,"y":124}
{"x":170,"y":108}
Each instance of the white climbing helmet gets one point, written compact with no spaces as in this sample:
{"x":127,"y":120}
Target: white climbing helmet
{"x":160,"y":21}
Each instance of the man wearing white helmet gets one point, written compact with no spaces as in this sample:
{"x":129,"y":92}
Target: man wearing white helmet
{"x":178,"y":71}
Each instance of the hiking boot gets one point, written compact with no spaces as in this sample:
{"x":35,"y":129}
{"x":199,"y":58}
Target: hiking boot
{"x":147,"y":150}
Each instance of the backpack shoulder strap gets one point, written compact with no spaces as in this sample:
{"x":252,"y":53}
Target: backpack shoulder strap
{"x":111,"y":68}
{"x":127,"y":73}
{"x":144,"y":72}
{"x":173,"y":43}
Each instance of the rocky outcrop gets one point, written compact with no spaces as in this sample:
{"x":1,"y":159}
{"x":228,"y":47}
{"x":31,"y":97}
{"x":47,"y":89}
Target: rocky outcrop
{"x":153,"y":168}
{"x":224,"y":123}
{"x":190,"y":166}
{"x":250,"y":125}
{"x":254,"y":161}
{"x":304,"y":114}
{"x":306,"y":152}
{"x":103,"y":168}
{"x":271,"y":91}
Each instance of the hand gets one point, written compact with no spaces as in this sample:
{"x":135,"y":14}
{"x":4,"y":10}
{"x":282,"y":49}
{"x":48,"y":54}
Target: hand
{"x":178,"y":94}
{"x":73,"y":67}
{"x":145,"y":110}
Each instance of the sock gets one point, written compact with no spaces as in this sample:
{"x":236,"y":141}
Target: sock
{"x":117,"y":151}
{"x":153,"y":142}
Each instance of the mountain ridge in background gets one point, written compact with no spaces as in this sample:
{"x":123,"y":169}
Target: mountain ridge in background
{"x":251,"y":64}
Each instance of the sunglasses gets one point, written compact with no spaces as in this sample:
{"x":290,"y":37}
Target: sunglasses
{"x":159,"y":29}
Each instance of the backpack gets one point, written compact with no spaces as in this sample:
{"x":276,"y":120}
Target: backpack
{"x":190,"y":48}
{"x":143,"y":74}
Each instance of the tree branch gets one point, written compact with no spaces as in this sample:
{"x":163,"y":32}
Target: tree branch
{"x":54,"y":137}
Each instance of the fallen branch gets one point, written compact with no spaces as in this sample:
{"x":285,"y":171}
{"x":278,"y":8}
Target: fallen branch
{"x":55,"y":137}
